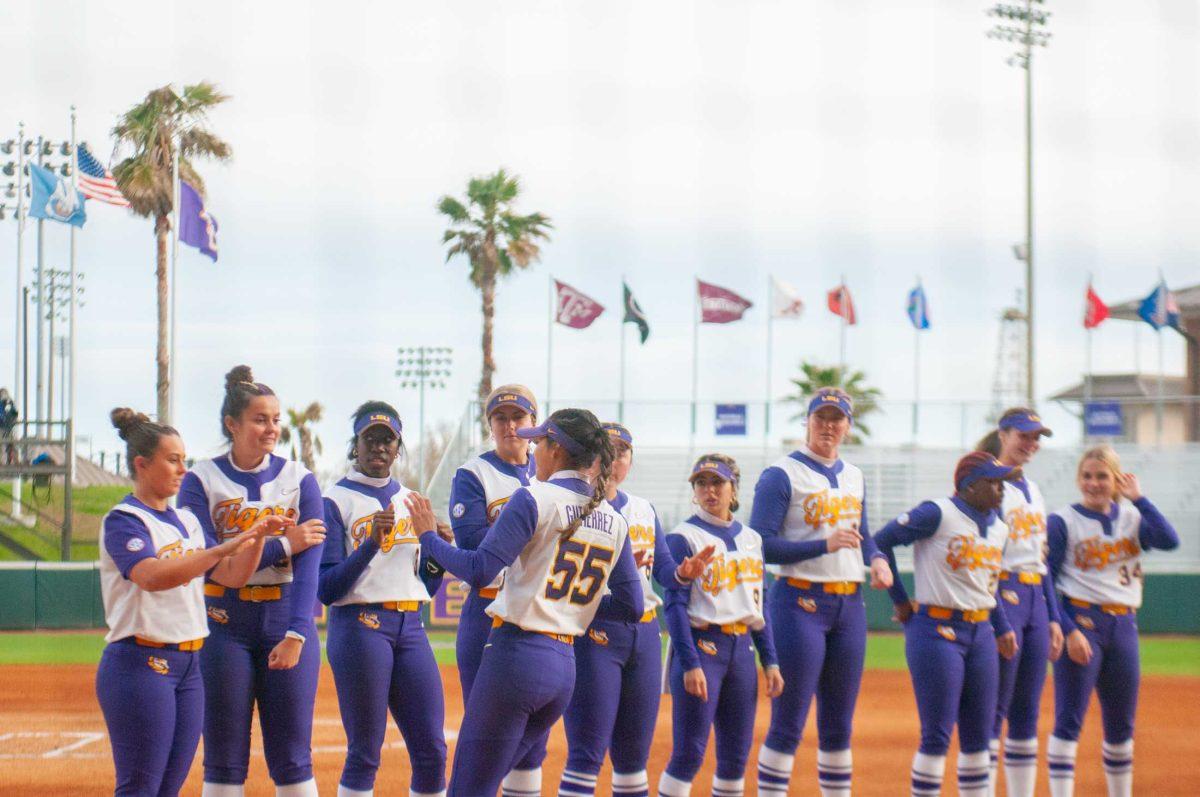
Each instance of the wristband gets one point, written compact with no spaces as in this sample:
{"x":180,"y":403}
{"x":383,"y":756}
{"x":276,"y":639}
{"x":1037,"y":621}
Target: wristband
{"x":294,"y":635}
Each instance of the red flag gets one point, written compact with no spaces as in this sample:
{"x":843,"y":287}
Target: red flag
{"x":719,"y":305}
{"x":1094,"y":311}
{"x":575,"y":310}
{"x":840,"y":304}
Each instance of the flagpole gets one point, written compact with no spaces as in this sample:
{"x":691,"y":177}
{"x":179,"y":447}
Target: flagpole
{"x":621,"y":332}
{"x":917,"y":359}
{"x":842,"y":342}
{"x":18,"y":354}
{"x":695,"y":357}
{"x":1087,"y":376}
{"x":1158,"y":410}
{"x":174,"y":263}
{"x":549,"y":340}
{"x":71,"y":320}
{"x":770,"y":358}
{"x":39,"y":313}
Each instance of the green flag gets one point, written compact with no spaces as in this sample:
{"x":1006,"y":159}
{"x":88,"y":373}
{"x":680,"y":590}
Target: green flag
{"x":634,"y":314}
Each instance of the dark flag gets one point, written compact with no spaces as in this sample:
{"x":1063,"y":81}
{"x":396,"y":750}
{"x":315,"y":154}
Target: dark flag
{"x":634,"y":314}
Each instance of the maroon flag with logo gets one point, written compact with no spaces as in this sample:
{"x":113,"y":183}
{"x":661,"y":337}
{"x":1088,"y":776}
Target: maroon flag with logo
{"x":720,"y":306}
{"x":575,"y":310}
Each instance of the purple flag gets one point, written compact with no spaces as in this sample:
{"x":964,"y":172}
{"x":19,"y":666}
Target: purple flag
{"x":196,"y":227}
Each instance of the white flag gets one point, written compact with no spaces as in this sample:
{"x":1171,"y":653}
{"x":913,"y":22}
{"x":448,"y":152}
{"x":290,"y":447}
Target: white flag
{"x":785,"y":302}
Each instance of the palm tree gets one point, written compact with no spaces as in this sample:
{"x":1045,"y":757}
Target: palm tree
{"x":496,"y":241}
{"x":813,"y":377}
{"x":149,"y":131}
{"x":300,"y":424}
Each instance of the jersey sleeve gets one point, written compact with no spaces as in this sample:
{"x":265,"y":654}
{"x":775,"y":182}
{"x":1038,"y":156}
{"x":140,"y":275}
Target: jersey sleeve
{"x":625,"y":586}
{"x":468,"y":510}
{"x":306,"y":564}
{"x":502,"y":545}
{"x":916,"y":524}
{"x":664,"y":561}
{"x":675,"y":603}
{"x":772,"y":496}
{"x":194,"y":497}
{"x":127,"y":541}
{"x":1155,"y":531}
{"x":339,"y":570}
{"x":764,"y":641}
{"x":870,"y":551}
{"x":1056,"y":541}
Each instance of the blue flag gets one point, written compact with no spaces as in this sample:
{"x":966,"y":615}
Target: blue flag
{"x":196,"y":227}
{"x":918,"y":308}
{"x":1160,"y":309}
{"x":52,"y":197}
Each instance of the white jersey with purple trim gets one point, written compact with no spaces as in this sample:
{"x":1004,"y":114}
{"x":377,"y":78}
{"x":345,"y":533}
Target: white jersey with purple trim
{"x":171,"y":615}
{"x":1102,"y":568}
{"x":497,"y":489}
{"x":957,"y":567}
{"x":1025,"y":550}
{"x":640,"y":515}
{"x":818,"y":509}
{"x":555,"y":585}
{"x":731,"y":588}
{"x":393,"y":574}
{"x":233,"y":512}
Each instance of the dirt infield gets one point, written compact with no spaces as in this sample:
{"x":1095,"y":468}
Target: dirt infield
{"x":53,"y":742}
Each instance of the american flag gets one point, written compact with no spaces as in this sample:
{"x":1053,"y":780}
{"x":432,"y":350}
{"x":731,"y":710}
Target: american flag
{"x":95,"y":181}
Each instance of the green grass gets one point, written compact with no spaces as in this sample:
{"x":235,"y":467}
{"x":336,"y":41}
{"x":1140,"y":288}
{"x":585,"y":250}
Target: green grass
{"x":90,"y":503}
{"x":1164,"y":655}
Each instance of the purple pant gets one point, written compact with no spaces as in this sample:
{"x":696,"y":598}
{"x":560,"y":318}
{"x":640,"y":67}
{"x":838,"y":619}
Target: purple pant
{"x":153,"y":704}
{"x":236,"y":677}
{"x":1114,"y":673}
{"x":729,"y":710}
{"x":382,"y":660}
{"x":474,"y":628}
{"x":821,"y":652}
{"x":954,"y":674}
{"x":615,"y":702}
{"x":1023,"y":676}
{"x":523,"y":686}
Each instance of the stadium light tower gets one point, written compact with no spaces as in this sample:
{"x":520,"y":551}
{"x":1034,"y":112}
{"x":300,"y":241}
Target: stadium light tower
{"x":1024,"y":24}
{"x":421,"y":367}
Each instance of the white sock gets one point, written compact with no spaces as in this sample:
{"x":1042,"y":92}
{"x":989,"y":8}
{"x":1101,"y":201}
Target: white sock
{"x":774,"y":772}
{"x":1118,"y":767}
{"x":222,"y":790}
{"x":631,"y":784}
{"x":345,"y":791}
{"x":833,"y":772}
{"x":927,"y":771}
{"x":724,"y":787}
{"x":306,"y":788}
{"x":993,"y":765}
{"x":673,"y":787}
{"x":1060,"y":754}
{"x":522,"y":783}
{"x":577,"y":784}
{"x":412,"y":793}
{"x":973,"y":774}
{"x":1020,"y":766}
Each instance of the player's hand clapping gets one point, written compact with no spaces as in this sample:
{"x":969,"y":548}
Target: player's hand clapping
{"x":693,"y":567}
{"x":420,"y":510}
{"x":843,"y":538}
{"x":382,"y":524}
{"x":305,"y":535}
{"x":263,"y":528}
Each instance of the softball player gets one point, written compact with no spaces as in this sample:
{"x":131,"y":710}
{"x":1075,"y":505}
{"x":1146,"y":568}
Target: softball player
{"x":375,"y":581}
{"x":1031,"y":607}
{"x":151,"y":560}
{"x":1096,"y":551}
{"x":810,"y":508}
{"x":562,"y":544}
{"x":618,"y":664}
{"x":478,"y":492}
{"x":713,"y":681}
{"x":950,"y":643}
{"x":263,"y":648}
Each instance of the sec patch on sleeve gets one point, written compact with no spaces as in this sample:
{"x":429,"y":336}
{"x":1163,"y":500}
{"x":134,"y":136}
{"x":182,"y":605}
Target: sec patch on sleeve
{"x":459,"y":510}
{"x":135,"y":544}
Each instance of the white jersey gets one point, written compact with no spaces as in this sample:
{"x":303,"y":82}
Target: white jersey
{"x":640,"y":515}
{"x":498,"y":487}
{"x":393,"y":573}
{"x":233,"y":511}
{"x":731,"y":588}
{"x":819,"y":508}
{"x":957,"y":567}
{"x":1026,"y":521}
{"x":554,"y":585}
{"x":1102,"y":568}
{"x":171,"y":615}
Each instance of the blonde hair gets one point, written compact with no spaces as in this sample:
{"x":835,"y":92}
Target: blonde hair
{"x":726,"y":460}
{"x":520,"y":390}
{"x":1106,"y":456}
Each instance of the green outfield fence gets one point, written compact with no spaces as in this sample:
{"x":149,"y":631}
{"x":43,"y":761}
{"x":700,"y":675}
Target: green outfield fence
{"x":66,"y":595}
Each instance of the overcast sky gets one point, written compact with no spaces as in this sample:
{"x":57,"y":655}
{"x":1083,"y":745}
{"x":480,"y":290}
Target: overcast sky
{"x":666,"y":140}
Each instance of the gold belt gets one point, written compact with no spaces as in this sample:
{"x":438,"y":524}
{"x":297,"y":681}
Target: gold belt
{"x":832,"y":587}
{"x":966,"y":615}
{"x":1107,"y":608}
{"x":189,"y":645}
{"x":255,"y":594}
{"x":566,"y":639}
{"x":1022,"y":576}
{"x":401,"y":606}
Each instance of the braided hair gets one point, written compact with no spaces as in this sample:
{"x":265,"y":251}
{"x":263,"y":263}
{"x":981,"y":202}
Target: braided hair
{"x":583,"y":427}
{"x":141,"y":435}
{"x":240,"y":390}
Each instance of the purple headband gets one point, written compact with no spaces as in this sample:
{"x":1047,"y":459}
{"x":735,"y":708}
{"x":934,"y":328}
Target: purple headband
{"x":551,"y":429}
{"x":378,"y":419}
{"x":512,"y":399}
{"x":713,"y":466}
{"x":618,"y":432}
{"x":841,"y":403}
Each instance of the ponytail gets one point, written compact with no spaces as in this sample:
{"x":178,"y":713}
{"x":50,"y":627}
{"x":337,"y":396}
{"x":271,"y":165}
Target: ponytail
{"x":141,"y":435}
{"x":583,"y":428}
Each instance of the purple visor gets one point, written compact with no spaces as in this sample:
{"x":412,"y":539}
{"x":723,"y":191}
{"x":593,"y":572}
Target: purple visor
{"x":840,"y":403}
{"x":551,"y":430}
{"x":1025,"y":422}
{"x":987,"y":469}
{"x":511,"y":399}
{"x":378,"y":419}
{"x":714,"y":467}
{"x":618,"y":432}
